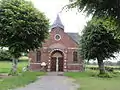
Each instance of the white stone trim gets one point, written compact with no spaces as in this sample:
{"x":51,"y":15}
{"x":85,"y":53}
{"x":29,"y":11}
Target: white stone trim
{"x":73,"y":48}
{"x":64,"y":55}
{"x":65,"y":67}
{"x":64,"y":63}
{"x":49,"y":67}
{"x":56,"y":38}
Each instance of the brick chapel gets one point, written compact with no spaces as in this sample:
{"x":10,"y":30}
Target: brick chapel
{"x":59,"y":51}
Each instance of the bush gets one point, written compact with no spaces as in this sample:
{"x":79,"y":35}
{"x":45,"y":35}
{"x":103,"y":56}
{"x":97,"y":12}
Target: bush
{"x":23,"y":58}
{"x":106,"y":75}
{"x":109,"y":69}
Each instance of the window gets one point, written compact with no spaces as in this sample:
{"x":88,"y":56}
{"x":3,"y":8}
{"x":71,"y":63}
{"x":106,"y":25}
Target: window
{"x":75,"y":57}
{"x":57,"y":37}
{"x":38,"y":56}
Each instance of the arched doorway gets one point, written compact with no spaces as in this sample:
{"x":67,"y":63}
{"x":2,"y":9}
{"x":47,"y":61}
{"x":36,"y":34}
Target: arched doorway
{"x":57,"y":59}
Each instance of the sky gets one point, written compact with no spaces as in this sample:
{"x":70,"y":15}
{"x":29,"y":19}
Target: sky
{"x":72,"y":20}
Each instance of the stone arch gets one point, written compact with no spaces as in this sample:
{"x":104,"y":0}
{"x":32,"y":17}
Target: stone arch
{"x":59,"y":50}
{"x":57,"y":60}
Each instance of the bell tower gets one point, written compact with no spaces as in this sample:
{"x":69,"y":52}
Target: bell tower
{"x":57,"y":23}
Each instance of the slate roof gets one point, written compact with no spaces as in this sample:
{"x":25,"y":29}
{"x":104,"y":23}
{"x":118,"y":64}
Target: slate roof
{"x":74,"y":36}
{"x":57,"y":23}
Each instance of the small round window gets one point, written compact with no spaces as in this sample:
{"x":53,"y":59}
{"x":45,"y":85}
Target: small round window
{"x":57,"y":37}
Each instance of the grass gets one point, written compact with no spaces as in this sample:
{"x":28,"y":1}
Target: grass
{"x":19,"y":81}
{"x":87,"y":66}
{"x":5,"y":66}
{"x":87,"y":82}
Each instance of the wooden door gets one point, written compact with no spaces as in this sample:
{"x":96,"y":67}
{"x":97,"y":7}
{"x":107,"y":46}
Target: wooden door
{"x":53,"y":63}
{"x":60,"y":64}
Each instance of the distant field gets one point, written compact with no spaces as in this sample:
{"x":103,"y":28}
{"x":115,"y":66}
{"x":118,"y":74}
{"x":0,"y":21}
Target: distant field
{"x":6,"y":66}
{"x":97,"y":66}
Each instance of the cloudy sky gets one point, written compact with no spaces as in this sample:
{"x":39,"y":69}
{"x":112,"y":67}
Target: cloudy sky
{"x":73,"y":21}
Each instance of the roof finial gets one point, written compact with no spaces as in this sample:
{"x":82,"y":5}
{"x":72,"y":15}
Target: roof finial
{"x":58,"y":23}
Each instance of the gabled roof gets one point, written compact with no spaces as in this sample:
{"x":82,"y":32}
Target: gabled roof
{"x":57,"y":23}
{"x":74,"y":36}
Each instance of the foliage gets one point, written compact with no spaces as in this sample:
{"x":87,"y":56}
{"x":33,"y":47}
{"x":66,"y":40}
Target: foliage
{"x":23,"y":58}
{"x":5,"y":55}
{"x":23,"y":27}
{"x":107,"y":68}
{"x":98,"y":41}
{"x":18,"y":81}
{"x":99,"y":7}
{"x":95,"y":67}
{"x":13,"y":73}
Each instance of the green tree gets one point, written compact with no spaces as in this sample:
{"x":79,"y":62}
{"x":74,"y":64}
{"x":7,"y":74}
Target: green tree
{"x":22,"y":27}
{"x":99,"y":7}
{"x":97,"y":42}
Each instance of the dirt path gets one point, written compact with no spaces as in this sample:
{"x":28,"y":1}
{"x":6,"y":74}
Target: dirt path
{"x":52,"y":81}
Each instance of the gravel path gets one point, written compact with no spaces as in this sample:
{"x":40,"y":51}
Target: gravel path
{"x":52,"y":81}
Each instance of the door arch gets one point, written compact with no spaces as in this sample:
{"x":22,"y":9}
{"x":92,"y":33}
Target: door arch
{"x":57,"y":61}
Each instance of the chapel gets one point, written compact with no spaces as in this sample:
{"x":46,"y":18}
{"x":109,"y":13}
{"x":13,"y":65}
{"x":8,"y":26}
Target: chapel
{"x":59,"y":51}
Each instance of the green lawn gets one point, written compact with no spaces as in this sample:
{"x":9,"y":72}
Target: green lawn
{"x":6,"y":66}
{"x":18,"y":81}
{"x":87,"y":82}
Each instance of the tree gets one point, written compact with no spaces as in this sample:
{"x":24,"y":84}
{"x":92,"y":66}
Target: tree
{"x":99,"y":7}
{"x":22,"y":27}
{"x":97,"y":42}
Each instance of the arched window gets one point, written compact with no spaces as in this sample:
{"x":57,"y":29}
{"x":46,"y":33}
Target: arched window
{"x":75,"y":56}
{"x":38,"y":56}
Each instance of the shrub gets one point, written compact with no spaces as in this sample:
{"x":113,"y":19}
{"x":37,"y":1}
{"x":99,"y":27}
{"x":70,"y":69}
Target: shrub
{"x":106,"y":75}
{"x":109,"y":69}
{"x":23,"y":58}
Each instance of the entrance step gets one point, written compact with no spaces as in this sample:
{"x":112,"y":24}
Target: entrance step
{"x":55,"y":73}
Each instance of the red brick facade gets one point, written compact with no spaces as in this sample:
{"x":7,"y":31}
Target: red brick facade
{"x":57,"y":53}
